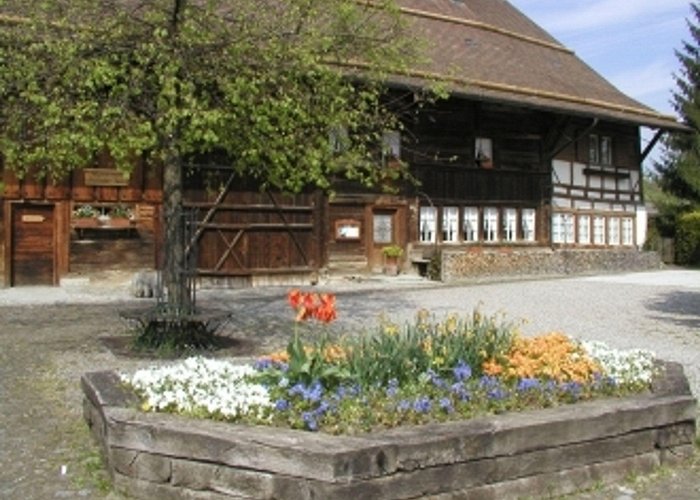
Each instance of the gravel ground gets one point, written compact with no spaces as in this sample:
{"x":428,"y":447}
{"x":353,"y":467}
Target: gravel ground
{"x":50,"y":336}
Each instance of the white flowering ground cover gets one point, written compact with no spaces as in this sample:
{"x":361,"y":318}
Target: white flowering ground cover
{"x":197,"y":385}
{"x":225,"y":390}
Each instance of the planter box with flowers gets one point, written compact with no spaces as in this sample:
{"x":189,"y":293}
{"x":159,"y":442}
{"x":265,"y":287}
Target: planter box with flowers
{"x":457,"y":408}
{"x":119,"y":217}
{"x":84,"y":217}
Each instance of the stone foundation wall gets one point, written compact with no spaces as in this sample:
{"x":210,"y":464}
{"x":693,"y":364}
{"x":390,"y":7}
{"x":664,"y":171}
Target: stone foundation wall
{"x":553,"y":451}
{"x":479,"y":262}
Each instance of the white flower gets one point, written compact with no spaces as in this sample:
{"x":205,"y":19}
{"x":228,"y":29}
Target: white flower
{"x":218,"y":387}
{"x":634,"y":366}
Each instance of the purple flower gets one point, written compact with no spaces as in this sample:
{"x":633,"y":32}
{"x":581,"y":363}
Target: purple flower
{"x":281,"y":405}
{"x":422,"y":405}
{"x":310,"y":420}
{"x":393,"y":388}
{"x":527,"y":384}
{"x":435,"y":379}
{"x":403,"y":405}
{"x":462,"y":371}
{"x":460,"y":391}
{"x":446,"y":405}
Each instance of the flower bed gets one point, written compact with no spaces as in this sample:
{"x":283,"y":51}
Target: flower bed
{"x":460,"y":405}
{"x":554,"y":450}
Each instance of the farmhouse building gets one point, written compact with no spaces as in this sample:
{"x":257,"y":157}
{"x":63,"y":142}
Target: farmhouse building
{"x":533,"y":155}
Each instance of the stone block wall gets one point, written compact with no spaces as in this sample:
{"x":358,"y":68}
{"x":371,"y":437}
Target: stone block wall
{"x":480,"y":262}
{"x":552,"y":451}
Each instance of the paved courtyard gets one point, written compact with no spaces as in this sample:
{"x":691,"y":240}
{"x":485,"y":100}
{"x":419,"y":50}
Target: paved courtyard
{"x":50,"y":336}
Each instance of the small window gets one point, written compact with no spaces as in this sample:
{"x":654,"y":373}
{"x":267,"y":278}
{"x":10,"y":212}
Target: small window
{"x":614,"y":231}
{"x":427,"y":224}
{"x":490,"y":224}
{"x":450,"y":224}
{"x":383,"y":228}
{"x":510,"y":224}
{"x":584,"y":229}
{"x":391,"y":145}
{"x":599,"y":150}
{"x":627,"y":231}
{"x":599,"y":230}
{"x":483,"y":152}
{"x":563,"y":228}
{"x":527,"y":223}
{"x":339,"y":139}
{"x":470,"y":224}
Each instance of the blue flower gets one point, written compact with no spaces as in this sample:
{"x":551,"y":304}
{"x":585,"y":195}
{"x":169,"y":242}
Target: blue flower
{"x":263,"y":364}
{"x":435,"y":379}
{"x":403,"y":405}
{"x":446,"y":405}
{"x":528,"y":384}
{"x":322,"y":408}
{"x":460,"y":391}
{"x":310,"y":420}
{"x":311,"y":393}
{"x":393,"y":388}
{"x":462,"y":371}
{"x":281,"y":405}
{"x":571,"y":388}
{"x":422,"y":404}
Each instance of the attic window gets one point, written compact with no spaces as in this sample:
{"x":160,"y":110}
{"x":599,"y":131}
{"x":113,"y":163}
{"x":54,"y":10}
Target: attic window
{"x":599,"y":150}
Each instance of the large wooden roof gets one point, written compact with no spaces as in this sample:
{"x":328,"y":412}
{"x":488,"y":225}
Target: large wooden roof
{"x":488,"y":49}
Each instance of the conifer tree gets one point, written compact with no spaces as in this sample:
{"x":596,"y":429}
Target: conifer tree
{"x":679,"y":169}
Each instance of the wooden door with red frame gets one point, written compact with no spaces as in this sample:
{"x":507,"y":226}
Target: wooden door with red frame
{"x":33,"y":244}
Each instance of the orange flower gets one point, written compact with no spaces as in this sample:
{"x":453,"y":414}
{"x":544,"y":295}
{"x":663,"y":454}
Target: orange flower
{"x":492,"y":367}
{"x":312,"y":305}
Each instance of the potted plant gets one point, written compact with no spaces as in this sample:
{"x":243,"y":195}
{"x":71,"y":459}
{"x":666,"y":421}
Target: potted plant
{"x":120,"y":216}
{"x":392,"y":254}
{"x":85,"y":216}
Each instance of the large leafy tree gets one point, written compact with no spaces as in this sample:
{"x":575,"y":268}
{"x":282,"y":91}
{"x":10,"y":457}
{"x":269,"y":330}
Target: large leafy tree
{"x":259,"y":83}
{"x":678,"y":172}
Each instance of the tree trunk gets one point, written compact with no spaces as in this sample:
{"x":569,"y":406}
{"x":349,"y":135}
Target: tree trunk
{"x":175,"y":261}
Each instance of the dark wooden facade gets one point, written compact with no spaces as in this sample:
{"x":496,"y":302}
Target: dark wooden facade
{"x":540,"y":188}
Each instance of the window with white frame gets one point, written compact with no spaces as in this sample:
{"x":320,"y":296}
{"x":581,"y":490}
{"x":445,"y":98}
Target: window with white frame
{"x":490,"y":224}
{"x":584,"y":229}
{"x":599,"y":230}
{"x":450,"y":224}
{"x":614,"y":231}
{"x":557,"y":228}
{"x":527,"y":222}
{"x":510,"y":224}
{"x":627,"y":231}
{"x":427,"y":224}
{"x":562,"y":228}
{"x":470,"y":224}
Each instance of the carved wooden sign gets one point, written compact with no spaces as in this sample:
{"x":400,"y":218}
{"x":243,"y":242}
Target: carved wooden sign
{"x":105,"y":177}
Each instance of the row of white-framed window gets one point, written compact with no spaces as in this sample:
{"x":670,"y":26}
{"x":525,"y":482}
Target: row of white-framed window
{"x":586,"y":229}
{"x":475,"y":224}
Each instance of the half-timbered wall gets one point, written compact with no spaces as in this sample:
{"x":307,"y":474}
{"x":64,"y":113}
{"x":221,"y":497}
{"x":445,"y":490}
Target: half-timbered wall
{"x":598,"y":201}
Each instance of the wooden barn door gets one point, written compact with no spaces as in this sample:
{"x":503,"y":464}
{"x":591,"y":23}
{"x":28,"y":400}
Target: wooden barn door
{"x":32,"y":258}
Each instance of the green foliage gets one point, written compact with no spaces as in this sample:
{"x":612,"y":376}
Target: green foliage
{"x":679,"y":169}
{"x":404,"y":353}
{"x":688,"y":239}
{"x":259,"y":85}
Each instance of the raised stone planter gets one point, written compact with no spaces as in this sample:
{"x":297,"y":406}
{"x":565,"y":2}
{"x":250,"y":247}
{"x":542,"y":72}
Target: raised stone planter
{"x":551,"y":451}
